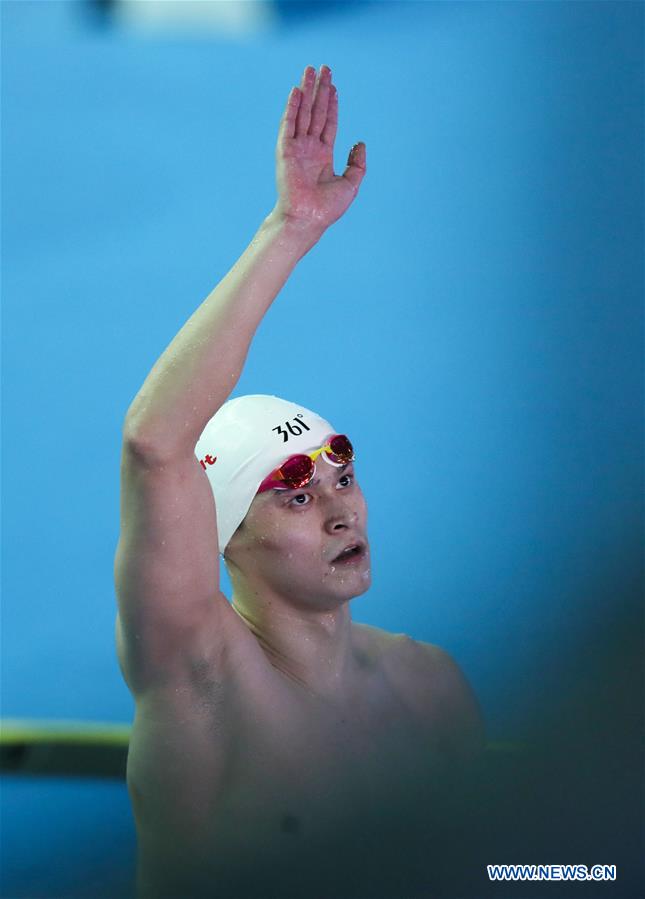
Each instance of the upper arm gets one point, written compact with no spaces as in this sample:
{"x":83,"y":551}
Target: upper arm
{"x":449,"y":698}
{"x":166,"y":567}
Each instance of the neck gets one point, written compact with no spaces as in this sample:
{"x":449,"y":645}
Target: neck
{"x":313,"y":648}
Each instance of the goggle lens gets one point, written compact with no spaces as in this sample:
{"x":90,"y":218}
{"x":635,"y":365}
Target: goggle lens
{"x":297,"y":471}
{"x":341,"y":449}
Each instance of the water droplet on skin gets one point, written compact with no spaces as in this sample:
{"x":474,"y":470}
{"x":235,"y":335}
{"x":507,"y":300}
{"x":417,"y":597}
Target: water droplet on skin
{"x":332,"y":568}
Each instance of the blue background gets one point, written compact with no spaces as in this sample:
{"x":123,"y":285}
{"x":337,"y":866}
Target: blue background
{"x":474,"y":322}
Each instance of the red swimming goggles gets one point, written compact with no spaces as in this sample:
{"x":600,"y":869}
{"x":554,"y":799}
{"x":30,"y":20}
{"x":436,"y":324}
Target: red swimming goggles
{"x":298,"y":470}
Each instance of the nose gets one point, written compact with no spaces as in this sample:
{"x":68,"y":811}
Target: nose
{"x":340,"y":518}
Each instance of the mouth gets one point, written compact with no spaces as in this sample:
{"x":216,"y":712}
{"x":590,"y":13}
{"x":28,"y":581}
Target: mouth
{"x":352,"y":554}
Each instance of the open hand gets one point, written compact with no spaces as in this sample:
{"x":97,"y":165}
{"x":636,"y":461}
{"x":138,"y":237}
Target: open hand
{"x":309,"y":194}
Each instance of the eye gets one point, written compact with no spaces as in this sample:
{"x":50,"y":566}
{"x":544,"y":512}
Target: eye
{"x":302,"y":499}
{"x":349,"y":478}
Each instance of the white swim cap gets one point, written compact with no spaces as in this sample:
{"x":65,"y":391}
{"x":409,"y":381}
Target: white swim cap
{"x":245,"y":441}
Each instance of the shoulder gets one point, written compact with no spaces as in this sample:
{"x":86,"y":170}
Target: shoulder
{"x":395,"y":654}
{"x":377,"y":648}
{"x":442,"y":696}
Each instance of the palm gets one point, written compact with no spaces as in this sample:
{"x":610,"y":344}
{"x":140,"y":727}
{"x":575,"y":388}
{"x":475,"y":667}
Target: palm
{"x":308,"y":190}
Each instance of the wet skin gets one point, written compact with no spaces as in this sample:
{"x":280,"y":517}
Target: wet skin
{"x":306,"y":759}
{"x":287,"y":586}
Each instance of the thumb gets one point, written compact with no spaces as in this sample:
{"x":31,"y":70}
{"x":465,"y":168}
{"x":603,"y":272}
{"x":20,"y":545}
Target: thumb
{"x":356,"y":165}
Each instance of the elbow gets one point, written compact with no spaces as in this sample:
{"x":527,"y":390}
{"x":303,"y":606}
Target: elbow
{"x":141,"y":444}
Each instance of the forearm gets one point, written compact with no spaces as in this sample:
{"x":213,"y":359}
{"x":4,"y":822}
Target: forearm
{"x":200,"y":368}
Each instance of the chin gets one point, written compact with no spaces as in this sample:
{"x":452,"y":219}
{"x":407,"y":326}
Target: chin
{"x":365,"y":585}
{"x":333,"y":597}
{"x":326,"y":593}
{"x":356,"y":585}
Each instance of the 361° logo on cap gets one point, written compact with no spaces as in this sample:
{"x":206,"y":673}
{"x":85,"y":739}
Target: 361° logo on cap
{"x":294,"y":429}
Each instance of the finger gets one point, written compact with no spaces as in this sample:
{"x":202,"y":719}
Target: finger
{"x":356,"y":165}
{"x":304,"y":113}
{"x":328,"y":135}
{"x":321,"y":101}
{"x":288,"y":122}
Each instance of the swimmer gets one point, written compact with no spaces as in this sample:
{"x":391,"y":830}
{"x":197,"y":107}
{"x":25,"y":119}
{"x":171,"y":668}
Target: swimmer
{"x":278,"y":748}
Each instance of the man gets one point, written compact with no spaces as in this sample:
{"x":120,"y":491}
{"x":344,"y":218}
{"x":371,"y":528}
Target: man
{"x":278,"y":748}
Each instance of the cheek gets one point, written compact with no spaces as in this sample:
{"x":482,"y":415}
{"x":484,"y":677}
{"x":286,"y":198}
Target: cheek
{"x":361,"y":507}
{"x":298,"y":540}
{"x":285,"y":536}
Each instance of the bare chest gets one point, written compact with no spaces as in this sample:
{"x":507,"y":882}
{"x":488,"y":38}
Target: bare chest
{"x":283,"y":776}
{"x":324,"y":759}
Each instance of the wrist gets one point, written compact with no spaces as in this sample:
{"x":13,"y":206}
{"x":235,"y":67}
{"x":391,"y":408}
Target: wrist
{"x":291,"y":233}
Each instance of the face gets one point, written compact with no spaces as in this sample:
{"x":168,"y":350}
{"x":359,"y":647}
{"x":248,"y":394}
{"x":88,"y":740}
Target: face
{"x":290,"y":540}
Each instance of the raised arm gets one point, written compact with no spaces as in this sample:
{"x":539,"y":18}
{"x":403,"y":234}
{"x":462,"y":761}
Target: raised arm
{"x":200,"y":368}
{"x":166,"y":566}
